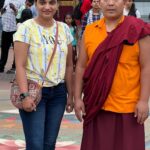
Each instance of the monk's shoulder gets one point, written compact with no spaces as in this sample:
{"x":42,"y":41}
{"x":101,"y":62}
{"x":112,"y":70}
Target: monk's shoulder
{"x":93,"y":25}
{"x":131,"y":20}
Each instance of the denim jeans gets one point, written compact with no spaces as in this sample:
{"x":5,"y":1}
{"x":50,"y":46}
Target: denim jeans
{"x":42,"y":126}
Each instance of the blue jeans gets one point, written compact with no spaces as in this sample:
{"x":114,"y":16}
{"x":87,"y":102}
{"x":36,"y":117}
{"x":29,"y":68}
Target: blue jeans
{"x":42,"y":126}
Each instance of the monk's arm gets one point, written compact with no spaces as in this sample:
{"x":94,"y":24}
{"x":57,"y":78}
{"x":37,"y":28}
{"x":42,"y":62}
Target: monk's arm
{"x":145,"y":68}
{"x":80,"y":68}
{"x":142,"y":109}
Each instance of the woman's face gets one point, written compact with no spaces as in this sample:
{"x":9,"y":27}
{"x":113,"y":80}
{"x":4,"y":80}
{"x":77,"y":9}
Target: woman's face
{"x":112,"y":9}
{"x":46,"y":8}
{"x":68,"y":19}
{"x":129,"y":4}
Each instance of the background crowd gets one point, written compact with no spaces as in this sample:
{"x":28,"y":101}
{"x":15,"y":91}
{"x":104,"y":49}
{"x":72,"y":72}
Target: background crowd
{"x":85,"y":12}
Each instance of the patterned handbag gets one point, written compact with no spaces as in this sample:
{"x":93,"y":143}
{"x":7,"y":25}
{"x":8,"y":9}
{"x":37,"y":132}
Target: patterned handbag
{"x":34,"y":89}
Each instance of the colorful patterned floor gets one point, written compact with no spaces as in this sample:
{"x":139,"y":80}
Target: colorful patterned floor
{"x":11,"y":135}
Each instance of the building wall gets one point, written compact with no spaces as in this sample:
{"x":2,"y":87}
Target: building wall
{"x":144,"y":8}
{"x":65,"y":6}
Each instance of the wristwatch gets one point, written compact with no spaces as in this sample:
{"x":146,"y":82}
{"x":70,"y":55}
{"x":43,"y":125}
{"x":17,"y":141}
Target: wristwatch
{"x":23,"y":95}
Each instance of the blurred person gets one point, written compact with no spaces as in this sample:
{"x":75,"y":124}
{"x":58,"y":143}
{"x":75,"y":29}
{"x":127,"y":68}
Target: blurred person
{"x":130,"y":9}
{"x":69,"y":20}
{"x":92,"y":15}
{"x":34,"y":10}
{"x":34,"y":43}
{"x":82,"y":7}
{"x":113,"y":73}
{"x":0,"y":22}
{"x":9,"y":12}
{"x":86,"y":6}
{"x":1,"y":6}
{"x":77,"y":14}
{"x":28,"y":4}
{"x":25,"y":15}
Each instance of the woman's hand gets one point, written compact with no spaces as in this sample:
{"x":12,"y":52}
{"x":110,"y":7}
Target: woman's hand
{"x":79,"y":109}
{"x":141,"y":111}
{"x":28,"y":104}
{"x":70,"y":104}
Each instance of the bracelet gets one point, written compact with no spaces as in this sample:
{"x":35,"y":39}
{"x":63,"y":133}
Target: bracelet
{"x":24,"y":95}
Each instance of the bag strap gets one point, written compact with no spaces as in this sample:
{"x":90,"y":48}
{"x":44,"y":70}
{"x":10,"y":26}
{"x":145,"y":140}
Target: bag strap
{"x":54,"y":50}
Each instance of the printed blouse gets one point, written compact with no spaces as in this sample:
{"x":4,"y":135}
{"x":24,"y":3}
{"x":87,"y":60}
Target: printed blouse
{"x":41,"y":44}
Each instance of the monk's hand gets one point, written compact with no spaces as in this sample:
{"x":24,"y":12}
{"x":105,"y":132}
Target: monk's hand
{"x":141,"y":111}
{"x":79,"y":109}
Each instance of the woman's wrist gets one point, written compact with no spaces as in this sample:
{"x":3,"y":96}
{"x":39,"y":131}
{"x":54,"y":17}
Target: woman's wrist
{"x":70,"y":95}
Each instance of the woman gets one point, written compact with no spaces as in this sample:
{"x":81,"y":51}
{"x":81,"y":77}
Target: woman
{"x":69,"y":20}
{"x":113,"y":73}
{"x":130,"y":9}
{"x":33,"y":44}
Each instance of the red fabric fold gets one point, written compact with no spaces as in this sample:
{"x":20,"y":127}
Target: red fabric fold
{"x":86,"y":6}
{"x":114,"y":131}
{"x":99,"y":74}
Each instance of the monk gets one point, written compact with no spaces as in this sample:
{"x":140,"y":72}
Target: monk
{"x":113,"y":73}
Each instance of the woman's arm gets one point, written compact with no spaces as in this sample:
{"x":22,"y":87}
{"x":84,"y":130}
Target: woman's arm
{"x":69,"y":79}
{"x":21,"y":51}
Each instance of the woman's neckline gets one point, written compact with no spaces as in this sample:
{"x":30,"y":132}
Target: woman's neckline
{"x":42,"y":26}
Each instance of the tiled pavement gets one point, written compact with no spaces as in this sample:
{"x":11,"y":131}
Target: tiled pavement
{"x":11,"y":135}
